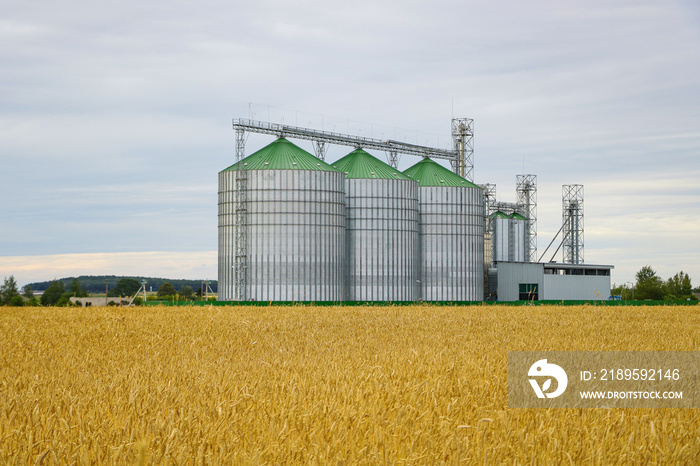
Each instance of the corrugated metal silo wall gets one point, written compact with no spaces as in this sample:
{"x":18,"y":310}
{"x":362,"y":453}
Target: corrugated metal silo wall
{"x":500,"y":239}
{"x":227,"y":234}
{"x":452,"y":243}
{"x":488,"y":248}
{"x":518,"y":240}
{"x":382,"y":240}
{"x":295,"y":228}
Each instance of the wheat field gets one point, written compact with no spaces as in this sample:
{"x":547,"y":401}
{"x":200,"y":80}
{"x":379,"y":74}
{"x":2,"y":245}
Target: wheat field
{"x":415,"y":384}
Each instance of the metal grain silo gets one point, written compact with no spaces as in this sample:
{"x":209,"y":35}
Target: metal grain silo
{"x":451,"y":234}
{"x":500,"y":237}
{"x":293,"y":206}
{"x":382,"y":225}
{"x":518,"y":231}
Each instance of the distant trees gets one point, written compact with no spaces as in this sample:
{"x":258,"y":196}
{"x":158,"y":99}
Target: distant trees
{"x":186,"y":293}
{"x":16,"y":301}
{"x":30,"y":299}
{"x":95,"y":284}
{"x":125,"y":287}
{"x":53,"y":293}
{"x":679,"y":287}
{"x":9,"y":294}
{"x":56,"y":293}
{"x":166,"y":291}
{"x":76,"y":290}
{"x":625,"y":292}
{"x":650,"y":286}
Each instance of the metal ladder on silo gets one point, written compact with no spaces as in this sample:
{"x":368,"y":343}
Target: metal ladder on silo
{"x":240,"y":199}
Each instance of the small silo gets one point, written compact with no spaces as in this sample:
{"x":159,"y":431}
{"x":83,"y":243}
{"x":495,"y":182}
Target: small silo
{"x":381,"y":208}
{"x":518,"y":231}
{"x":451,"y":234}
{"x":500,"y":237}
{"x":294,"y":230}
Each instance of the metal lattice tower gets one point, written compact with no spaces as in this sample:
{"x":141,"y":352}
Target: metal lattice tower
{"x":240,"y":199}
{"x":320,"y":148}
{"x":489,"y":203}
{"x":393,"y":158}
{"x":526,"y":188}
{"x":463,"y":145}
{"x":489,"y":208}
{"x":572,"y":220}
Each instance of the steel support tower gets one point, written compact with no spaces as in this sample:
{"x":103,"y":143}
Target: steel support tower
{"x":461,"y":157}
{"x":489,"y":203}
{"x":463,"y":145}
{"x":572,"y":221}
{"x":489,"y":208}
{"x":320,"y":149}
{"x":526,"y":188}
{"x":240,"y":199}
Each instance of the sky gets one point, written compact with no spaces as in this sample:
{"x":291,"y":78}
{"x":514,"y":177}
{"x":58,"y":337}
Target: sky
{"x":115,"y":116}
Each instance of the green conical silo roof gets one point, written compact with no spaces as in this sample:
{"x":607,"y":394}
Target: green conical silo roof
{"x":517,"y":216}
{"x":499,"y":214}
{"x":360,"y":164}
{"x":430,"y":173}
{"x":281,"y":155}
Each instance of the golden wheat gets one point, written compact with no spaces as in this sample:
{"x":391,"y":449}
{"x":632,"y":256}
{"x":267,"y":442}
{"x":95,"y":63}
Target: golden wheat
{"x":254,"y":385}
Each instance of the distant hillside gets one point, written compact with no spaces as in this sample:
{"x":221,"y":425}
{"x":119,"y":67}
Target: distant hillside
{"x":96,"y":283}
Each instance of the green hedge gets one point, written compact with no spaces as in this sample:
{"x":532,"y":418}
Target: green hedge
{"x":409,"y":303}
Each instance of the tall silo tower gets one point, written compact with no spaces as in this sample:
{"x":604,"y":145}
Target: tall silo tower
{"x":294,"y":227}
{"x":526,"y":189}
{"x":382,"y":225}
{"x":572,"y":218}
{"x":451,"y":234}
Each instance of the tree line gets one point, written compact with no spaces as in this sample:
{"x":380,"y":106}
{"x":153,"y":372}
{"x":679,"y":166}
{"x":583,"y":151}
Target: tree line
{"x":649,"y":285}
{"x":56,"y":293}
{"x":96,"y":283}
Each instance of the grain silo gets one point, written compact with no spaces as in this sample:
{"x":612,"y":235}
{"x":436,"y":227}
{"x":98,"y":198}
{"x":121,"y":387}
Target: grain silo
{"x":508,"y":237}
{"x":290,"y":208}
{"x":500,"y":236}
{"x":518,"y":230}
{"x":451,"y":234}
{"x":382,"y":258}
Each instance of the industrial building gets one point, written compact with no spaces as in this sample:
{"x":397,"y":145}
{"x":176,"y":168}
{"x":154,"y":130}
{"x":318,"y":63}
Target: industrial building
{"x":295,"y":228}
{"x":533,"y":281}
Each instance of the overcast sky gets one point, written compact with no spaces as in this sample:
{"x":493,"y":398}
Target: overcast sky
{"x":115,"y":116}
